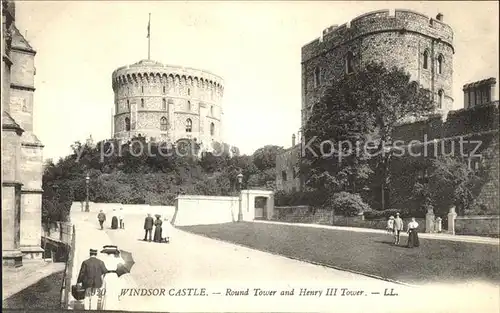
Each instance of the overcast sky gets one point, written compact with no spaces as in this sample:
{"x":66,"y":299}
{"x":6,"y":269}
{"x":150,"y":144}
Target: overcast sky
{"x":254,"y":46}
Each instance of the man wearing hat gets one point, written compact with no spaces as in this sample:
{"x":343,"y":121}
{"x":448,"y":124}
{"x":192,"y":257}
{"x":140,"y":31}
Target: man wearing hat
{"x":91,"y":279}
{"x":148,"y":227}
{"x":398,"y":227}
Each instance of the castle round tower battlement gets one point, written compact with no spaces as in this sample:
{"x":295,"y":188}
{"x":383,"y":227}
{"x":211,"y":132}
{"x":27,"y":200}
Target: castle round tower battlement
{"x":420,"y":45}
{"x":167,"y":103}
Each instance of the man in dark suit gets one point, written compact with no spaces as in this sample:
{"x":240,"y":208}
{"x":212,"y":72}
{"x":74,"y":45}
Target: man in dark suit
{"x":91,"y":279}
{"x":148,"y":227}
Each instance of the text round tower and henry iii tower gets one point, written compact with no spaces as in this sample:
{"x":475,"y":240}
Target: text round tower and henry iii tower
{"x":421,"y":45}
{"x":166,"y":103}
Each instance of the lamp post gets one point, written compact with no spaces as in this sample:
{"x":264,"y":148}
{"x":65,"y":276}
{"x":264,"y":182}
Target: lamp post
{"x":240,"y":211}
{"x":87,"y":180}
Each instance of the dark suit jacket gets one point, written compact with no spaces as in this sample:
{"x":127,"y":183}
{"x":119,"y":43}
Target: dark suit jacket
{"x":91,"y":273}
{"x":148,"y":222}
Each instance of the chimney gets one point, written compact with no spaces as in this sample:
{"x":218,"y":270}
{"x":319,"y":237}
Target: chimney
{"x":293,"y":140}
{"x":439,"y":17}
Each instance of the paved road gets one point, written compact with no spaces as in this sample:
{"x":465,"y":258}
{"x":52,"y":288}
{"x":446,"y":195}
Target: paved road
{"x":192,"y":261}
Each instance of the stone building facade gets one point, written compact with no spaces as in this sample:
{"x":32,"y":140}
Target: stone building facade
{"x":166,"y":103}
{"x":22,"y":160}
{"x":420,"y":45}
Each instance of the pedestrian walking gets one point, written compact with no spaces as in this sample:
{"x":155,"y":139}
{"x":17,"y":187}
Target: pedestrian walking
{"x":91,"y":279}
{"x":158,"y":229}
{"x":413,"y":234}
{"x":390,"y":225}
{"x":114,"y":220}
{"x":111,"y":281}
{"x":120,"y":217}
{"x":398,"y":228}
{"x":101,"y":217}
{"x":148,"y":227}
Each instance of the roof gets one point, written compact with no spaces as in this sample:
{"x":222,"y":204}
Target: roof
{"x":146,"y":63}
{"x":487,"y":81}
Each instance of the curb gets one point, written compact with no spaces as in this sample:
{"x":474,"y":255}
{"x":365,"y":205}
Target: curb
{"x":307,"y":261}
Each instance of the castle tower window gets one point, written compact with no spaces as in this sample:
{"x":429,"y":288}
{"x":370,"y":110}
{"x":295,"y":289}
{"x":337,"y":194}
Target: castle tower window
{"x":163,"y":124}
{"x":164,"y":89}
{"x":426,"y":59}
{"x":348,"y":62}
{"x":440,"y":64}
{"x":189,"y":91}
{"x":127,"y":124}
{"x":24,"y":108}
{"x":142,"y":103}
{"x":440,"y":99}
{"x":283,"y":175}
{"x":142,"y":89}
{"x":212,"y":111}
{"x":164,"y":105}
{"x":189,"y":125}
{"x":189,"y":105}
{"x":212,"y":129}
{"x":317,"y":77}
{"x":128,"y":105}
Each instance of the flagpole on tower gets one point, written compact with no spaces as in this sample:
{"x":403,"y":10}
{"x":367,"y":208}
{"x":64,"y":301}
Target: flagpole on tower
{"x":149,"y":37}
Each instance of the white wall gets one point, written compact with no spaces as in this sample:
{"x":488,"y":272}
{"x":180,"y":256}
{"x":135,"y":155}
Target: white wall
{"x":205,"y":210}
{"x":128,"y":209}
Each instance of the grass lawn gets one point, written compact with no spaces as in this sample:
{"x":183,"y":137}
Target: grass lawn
{"x":45,"y":294}
{"x":369,"y":253}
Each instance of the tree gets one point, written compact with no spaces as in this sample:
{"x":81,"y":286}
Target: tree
{"x":451,"y":182}
{"x":347,"y":204}
{"x":353,"y":126}
{"x":265,"y":157}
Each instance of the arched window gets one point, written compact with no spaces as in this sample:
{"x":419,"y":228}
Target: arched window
{"x":128,"y":105}
{"x":189,"y":91}
{"x":212,"y":110}
{"x":317,"y":77}
{"x":164,"y":105}
{"x":189,"y":125}
{"x":189,"y":105}
{"x":212,"y":129}
{"x":127,"y":124}
{"x":164,"y":89}
{"x":440,"y":64}
{"x":426,"y":59}
{"x":163,"y":124}
{"x":349,"y":68}
{"x":142,"y":89}
{"x":142,"y":103}
{"x":440,"y":98}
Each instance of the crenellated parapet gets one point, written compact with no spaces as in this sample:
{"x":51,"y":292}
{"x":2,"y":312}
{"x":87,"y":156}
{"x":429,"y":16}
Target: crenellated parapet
{"x":171,"y":76}
{"x":403,"y":21}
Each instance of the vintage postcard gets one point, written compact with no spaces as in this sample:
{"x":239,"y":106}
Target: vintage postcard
{"x":250,"y":156}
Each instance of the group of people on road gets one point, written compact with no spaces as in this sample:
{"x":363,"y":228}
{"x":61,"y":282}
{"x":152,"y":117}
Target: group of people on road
{"x":117,"y":219}
{"x":396,"y":225}
{"x":100,"y":280}
{"x":149,"y":222}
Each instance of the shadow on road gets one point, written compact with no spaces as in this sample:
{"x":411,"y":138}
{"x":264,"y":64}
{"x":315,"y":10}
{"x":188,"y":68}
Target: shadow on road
{"x":45,"y":294}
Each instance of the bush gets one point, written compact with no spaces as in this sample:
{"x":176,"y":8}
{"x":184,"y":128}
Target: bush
{"x":312,"y":198}
{"x":347,"y":204}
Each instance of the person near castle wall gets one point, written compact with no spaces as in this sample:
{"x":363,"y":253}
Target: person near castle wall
{"x":148,"y":227}
{"x":413,"y":234}
{"x":101,"y":217}
{"x":398,"y":227}
{"x":91,"y":279}
{"x":390,"y":225}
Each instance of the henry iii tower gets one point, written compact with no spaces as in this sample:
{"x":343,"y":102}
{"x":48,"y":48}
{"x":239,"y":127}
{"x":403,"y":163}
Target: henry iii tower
{"x":166,"y":103}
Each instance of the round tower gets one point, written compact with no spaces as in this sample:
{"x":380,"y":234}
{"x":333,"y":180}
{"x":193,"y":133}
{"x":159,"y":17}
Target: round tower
{"x":166,"y":103}
{"x":421,"y":45}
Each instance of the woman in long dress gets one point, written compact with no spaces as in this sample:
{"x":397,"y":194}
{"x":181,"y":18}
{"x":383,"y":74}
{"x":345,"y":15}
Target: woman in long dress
{"x":390,"y":225}
{"x":413,"y":234}
{"x":158,"y":230}
{"x":112,"y":284}
{"x":114,"y":220}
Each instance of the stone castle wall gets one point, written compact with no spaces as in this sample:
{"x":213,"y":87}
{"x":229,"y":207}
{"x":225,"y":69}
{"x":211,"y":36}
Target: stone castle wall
{"x":159,"y":99}
{"x":287,"y":169}
{"x":396,"y":40}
